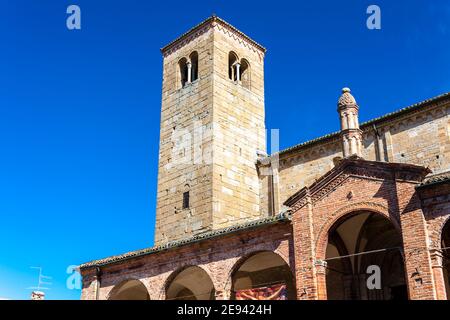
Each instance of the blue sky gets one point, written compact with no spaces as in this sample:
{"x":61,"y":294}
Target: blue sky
{"x":79,"y":110}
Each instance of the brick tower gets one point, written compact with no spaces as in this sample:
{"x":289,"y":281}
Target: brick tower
{"x":212,"y":126}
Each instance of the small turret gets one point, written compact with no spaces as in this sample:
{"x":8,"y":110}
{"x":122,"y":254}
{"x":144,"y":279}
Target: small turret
{"x":350,"y":133}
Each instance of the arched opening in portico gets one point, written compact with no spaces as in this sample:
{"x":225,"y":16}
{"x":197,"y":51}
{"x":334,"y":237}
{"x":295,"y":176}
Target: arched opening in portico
{"x":129,"y":290}
{"x":262,"y":276}
{"x":364,"y":259}
{"x":190,"y":283}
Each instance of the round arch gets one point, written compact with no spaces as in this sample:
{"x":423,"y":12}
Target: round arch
{"x":193,"y":58}
{"x":189,"y":283}
{"x":357,"y":242}
{"x":445,"y":247}
{"x":233,"y":59}
{"x":342,"y":213}
{"x":182,"y":73}
{"x":130,"y":289}
{"x":245,"y":73}
{"x":262,"y":275}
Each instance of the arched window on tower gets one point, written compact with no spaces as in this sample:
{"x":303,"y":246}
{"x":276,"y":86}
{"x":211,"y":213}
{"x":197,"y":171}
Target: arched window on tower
{"x":244,"y":71}
{"x":183,"y":71}
{"x":232,"y":66}
{"x":194,"y":65}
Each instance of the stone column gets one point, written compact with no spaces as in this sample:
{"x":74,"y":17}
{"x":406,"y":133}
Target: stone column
{"x":238,"y":75}
{"x":189,"y":73}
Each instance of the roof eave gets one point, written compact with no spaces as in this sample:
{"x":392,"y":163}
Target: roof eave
{"x":205,"y":22}
{"x":279,"y":218}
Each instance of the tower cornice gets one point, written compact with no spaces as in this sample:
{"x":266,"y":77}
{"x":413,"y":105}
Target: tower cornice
{"x":203,"y":27}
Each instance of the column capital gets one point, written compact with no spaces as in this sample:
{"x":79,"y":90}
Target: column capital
{"x":436,"y":258}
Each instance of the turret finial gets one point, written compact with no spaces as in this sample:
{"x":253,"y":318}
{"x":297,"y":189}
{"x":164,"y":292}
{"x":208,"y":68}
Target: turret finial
{"x":346,"y":98}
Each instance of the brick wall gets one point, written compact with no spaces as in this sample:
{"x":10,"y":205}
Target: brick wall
{"x":218,"y":257}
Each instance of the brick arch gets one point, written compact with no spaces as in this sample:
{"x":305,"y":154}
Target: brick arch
{"x":237,"y":264}
{"x":177,"y":271}
{"x":118,"y":285}
{"x":343,"y":213}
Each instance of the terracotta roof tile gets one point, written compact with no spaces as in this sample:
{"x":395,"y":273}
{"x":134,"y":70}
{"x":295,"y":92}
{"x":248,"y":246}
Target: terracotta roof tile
{"x":283,"y":216}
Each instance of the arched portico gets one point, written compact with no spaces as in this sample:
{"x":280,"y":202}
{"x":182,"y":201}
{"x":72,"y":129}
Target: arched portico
{"x":262,"y":275}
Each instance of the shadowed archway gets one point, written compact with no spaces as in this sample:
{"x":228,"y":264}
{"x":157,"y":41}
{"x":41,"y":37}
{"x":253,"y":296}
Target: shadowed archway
{"x":445,"y":245}
{"x":262,"y":276}
{"x":356,"y":243}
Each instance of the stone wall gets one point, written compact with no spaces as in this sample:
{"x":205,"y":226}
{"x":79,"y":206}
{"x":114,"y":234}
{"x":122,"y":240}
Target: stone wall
{"x":420,"y":137}
{"x":211,"y":130}
{"x":239,"y":132}
{"x":183,"y":151}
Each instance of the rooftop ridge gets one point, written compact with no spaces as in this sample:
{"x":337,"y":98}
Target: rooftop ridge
{"x":202,"y":24}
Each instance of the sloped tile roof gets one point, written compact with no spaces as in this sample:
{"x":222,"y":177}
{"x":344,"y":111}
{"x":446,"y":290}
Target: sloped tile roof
{"x":443,"y":177}
{"x":281,"y":217}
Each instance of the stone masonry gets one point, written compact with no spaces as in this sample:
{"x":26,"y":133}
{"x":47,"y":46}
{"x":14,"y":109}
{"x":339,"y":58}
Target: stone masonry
{"x":221,"y":201}
{"x":211,"y":131}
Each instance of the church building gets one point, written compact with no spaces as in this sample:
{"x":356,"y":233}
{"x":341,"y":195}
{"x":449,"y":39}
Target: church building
{"x":358,"y":214}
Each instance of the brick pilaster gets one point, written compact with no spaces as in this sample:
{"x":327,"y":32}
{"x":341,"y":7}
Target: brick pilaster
{"x":419,"y":273}
{"x":304,"y":254}
{"x":438,"y":273}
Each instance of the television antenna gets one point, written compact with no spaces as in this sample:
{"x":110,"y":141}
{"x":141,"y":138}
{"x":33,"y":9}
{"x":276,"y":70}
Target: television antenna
{"x":42,"y":281}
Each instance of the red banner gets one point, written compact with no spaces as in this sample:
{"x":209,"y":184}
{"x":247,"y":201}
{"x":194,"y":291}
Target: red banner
{"x":275,"y":292}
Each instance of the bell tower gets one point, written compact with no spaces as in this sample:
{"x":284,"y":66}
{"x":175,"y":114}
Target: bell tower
{"x":212,"y":125}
